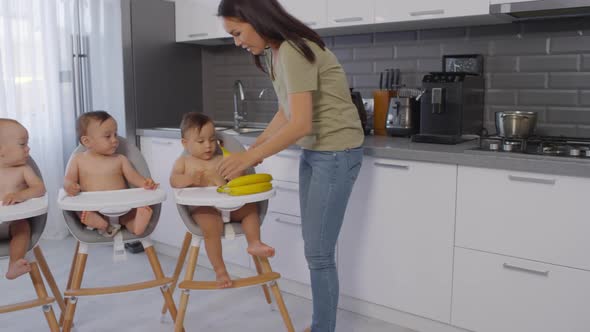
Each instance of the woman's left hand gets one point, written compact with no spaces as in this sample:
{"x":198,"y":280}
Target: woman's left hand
{"x":235,"y":164}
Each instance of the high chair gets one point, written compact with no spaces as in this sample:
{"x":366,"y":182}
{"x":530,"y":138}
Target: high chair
{"x":35,"y":210}
{"x":85,"y":237}
{"x":193,"y":239}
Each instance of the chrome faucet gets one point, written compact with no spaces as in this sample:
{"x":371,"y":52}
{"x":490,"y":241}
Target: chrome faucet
{"x":239,"y":98}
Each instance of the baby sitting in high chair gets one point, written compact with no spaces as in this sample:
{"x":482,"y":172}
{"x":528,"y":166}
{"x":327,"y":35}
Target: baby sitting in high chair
{"x":198,"y":169}
{"x":18,"y":183}
{"x":99,"y":168}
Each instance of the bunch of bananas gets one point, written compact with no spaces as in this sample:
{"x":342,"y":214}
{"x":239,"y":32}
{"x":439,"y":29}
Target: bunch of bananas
{"x":247,"y":185}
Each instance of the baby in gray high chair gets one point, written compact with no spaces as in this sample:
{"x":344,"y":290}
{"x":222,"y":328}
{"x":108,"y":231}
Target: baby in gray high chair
{"x":18,"y":183}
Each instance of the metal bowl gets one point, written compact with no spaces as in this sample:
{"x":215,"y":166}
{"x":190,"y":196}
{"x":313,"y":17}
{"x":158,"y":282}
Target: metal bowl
{"x":516,"y":124}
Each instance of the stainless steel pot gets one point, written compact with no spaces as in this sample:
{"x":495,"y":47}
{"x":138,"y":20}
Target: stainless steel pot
{"x":516,"y":124}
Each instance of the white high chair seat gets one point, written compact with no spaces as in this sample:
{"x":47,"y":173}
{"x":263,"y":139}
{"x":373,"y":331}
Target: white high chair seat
{"x":27,"y":209}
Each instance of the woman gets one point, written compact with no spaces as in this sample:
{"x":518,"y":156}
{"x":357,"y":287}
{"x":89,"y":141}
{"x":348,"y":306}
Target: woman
{"x":315,"y":112}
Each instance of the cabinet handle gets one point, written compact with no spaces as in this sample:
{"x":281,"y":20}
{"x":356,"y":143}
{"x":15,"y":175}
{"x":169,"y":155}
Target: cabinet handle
{"x":386,"y":165}
{"x":312,"y":23}
{"x":161,"y":142}
{"x":286,"y":189}
{"x":428,"y":12}
{"x":522,"y":269}
{"x":279,"y":220}
{"x":531,"y":180}
{"x":200,"y":34}
{"x":348,"y":19}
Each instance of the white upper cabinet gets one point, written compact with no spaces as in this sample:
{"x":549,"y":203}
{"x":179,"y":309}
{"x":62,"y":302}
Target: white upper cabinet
{"x":346,"y":13}
{"x":197,"y":19}
{"x":401,"y":11}
{"x":313,"y":13}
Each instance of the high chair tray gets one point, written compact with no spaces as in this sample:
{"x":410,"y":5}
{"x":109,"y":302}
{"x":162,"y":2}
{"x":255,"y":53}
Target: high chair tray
{"x":208,"y":196}
{"x":27,"y":209}
{"x":110,"y":199}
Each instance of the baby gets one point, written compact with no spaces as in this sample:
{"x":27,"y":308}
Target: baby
{"x":198,"y":169}
{"x":100,"y":168}
{"x":18,"y":183}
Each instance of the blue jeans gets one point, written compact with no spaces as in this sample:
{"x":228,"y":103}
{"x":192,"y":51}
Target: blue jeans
{"x":325,"y":182}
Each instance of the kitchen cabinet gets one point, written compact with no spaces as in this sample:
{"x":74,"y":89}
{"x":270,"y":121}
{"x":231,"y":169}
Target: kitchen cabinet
{"x":396,"y":243}
{"x":401,"y":11}
{"x":160,"y":154}
{"x":494,"y":293}
{"x":313,"y":13}
{"x":197,"y":19}
{"x":348,"y":13}
{"x":527,"y":215}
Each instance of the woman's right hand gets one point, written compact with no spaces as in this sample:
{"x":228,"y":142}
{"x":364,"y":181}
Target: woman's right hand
{"x":72,"y":189}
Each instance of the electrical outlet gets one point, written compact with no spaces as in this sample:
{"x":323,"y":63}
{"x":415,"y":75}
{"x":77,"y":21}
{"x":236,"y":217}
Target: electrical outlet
{"x":368,"y":103}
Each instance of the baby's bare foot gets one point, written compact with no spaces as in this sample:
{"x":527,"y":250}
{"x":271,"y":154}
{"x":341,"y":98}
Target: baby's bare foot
{"x":307,"y":329}
{"x":142,"y":219}
{"x":261,"y":249}
{"x":94,"y":220}
{"x":223,"y":279}
{"x":17,"y":269}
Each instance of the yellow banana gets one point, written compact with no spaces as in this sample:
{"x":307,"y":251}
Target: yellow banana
{"x":248,"y":189}
{"x":223,"y":150}
{"x":249,"y":179}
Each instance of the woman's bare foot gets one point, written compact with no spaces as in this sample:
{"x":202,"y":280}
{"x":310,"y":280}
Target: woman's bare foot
{"x":17,"y":269}
{"x":142,"y":219}
{"x":223,"y":279}
{"x":261,"y":249}
{"x":94,"y":220}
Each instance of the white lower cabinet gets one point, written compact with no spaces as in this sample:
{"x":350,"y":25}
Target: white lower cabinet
{"x":396,"y":245}
{"x":493,"y":293}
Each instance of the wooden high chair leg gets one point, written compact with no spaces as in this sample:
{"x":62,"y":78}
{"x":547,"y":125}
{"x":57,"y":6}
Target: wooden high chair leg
{"x":189,"y":274}
{"x":277,"y":294}
{"x":42,"y":294}
{"x":77,"y":276}
{"x":264,"y":286}
{"x":186,"y":243}
{"x":157,"y":268}
{"x":69,"y":284}
{"x":49,"y":277}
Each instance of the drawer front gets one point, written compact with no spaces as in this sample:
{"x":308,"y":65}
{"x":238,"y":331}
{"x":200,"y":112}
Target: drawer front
{"x":283,"y":166}
{"x":286,"y":200}
{"x":494,"y":293}
{"x":283,"y":232}
{"x":527,"y":215}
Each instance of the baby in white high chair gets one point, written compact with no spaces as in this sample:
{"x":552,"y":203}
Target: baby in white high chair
{"x":198,"y":169}
{"x":18,"y":183}
{"x":99,"y":168}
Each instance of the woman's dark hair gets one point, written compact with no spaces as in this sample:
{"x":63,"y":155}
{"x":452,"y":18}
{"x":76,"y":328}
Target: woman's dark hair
{"x":272,"y":22}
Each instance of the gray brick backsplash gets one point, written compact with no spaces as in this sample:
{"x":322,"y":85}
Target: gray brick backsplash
{"x":500,"y":97}
{"x":520,"y":46}
{"x":448,"y":33}
{"x":570,"y":44}
{"x":395,"y":37}
{"x":552,"y":63}
{"x":466,"y":47}
{"x":569,"y":115}
{"x":569,"y":81}
{"x":418,"y":51}
{"x":548,"y":97}
{"x":521,"y":81}
{"x":500,"y":64}
{"x":343,"y":54}
{"x":404,"y":65}
{"x":353,"y":40}
{"x":385,"y":52}
{"x":539,"y":66}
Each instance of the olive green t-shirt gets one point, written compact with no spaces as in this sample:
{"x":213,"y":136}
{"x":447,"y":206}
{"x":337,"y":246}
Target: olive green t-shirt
{"x":336,"y":124}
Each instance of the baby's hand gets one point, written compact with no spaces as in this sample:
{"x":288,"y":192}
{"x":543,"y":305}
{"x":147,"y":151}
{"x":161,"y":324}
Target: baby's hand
{"x":149,"y":184}
{"x":197,"y":177}
{"x":72,"y":189}
{"x":11,"y":199}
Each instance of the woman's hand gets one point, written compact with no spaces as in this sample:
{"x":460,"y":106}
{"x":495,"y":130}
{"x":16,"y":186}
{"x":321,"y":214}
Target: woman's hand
{"x":235,"y":164}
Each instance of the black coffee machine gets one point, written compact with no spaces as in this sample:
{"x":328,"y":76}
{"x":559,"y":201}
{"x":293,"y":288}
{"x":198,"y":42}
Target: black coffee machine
{"x":452,"y":107}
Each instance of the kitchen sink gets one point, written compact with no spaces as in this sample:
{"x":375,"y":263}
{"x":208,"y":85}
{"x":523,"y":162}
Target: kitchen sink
{"x":242,"y":130}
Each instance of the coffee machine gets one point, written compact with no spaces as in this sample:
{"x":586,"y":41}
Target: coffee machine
{"x":452,"y":106}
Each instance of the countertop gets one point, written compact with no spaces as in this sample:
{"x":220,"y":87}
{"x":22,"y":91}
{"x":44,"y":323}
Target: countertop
{"x":460,"y":154}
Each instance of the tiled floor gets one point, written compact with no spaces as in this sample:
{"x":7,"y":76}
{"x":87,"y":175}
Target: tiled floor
{"x":231,"y":310}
